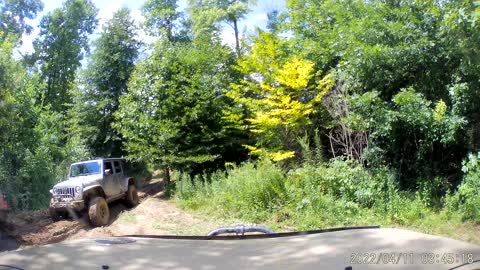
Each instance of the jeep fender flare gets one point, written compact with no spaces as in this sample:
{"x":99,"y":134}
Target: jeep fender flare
{"x":93,"y":190}
{"x":128,"y":181}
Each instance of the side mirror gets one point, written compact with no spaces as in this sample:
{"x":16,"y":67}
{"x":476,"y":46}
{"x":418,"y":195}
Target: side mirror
{"x":108,"y":171}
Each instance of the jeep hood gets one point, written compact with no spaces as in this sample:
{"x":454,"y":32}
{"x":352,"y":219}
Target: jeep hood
{"x":79,"y":180}
{"x":350,"y":249}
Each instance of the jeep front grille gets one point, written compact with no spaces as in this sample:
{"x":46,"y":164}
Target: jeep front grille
{"x":66,"y":192}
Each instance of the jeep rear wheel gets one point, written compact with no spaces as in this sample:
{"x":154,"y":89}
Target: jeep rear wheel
{"x":98,"y":212}
{"x":132,"y":196}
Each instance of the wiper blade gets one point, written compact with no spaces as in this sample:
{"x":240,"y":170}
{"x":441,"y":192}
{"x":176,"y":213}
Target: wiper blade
{"x":240,"y":229}
{"x":250,"y":236}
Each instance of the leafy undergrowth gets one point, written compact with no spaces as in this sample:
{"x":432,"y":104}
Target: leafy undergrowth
{"x":340,"y":193}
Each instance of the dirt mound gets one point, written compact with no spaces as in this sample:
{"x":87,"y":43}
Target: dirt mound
{"x":37,"y":228}
{"x":154,"y":215}
{"x":51,"y":233}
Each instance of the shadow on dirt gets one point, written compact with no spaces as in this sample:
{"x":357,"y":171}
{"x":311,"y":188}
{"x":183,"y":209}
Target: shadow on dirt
{"x":150,"y":188}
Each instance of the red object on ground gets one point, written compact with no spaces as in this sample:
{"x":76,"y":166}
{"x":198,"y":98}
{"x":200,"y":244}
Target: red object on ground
{"x":3,"y":202}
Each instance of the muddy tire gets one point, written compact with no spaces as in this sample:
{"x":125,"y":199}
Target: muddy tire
{"x":54,"y":214}
{"x":98,"y":212}
{"x":131,"y":197}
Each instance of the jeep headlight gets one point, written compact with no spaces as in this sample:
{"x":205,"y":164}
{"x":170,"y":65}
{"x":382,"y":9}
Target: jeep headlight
{"x":78,"y":189}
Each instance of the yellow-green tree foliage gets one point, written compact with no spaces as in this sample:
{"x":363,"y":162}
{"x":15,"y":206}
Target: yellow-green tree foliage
{"x":281,"y":92}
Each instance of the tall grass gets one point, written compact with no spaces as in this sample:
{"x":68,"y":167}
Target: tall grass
{"x":338,"y":193}
{"x":252,"y":191}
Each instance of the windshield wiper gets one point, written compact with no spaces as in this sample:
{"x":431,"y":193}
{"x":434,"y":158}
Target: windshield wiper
{"x":251,"y":236}
{"x":240,"y":229}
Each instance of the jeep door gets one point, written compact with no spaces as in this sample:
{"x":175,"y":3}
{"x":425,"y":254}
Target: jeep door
{"x":119,"y":176}
{"x":111,"y":187}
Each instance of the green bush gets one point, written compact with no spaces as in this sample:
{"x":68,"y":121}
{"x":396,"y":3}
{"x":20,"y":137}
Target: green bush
{"x":27,"y":177}
{"x":338,"y":193}
{"x":404,"y":208}
{"x":341,"y":179}
{"x":251,"y":190}
{"x":432,"y":191}
{"x":466,"y":201}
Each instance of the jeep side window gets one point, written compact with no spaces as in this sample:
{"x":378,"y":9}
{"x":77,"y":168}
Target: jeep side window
{"x":118,"y":168}
{"x":107,"y":165}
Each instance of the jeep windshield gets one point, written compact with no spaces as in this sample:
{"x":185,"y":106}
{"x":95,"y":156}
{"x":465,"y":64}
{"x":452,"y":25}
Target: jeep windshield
{"x":87,"y":168}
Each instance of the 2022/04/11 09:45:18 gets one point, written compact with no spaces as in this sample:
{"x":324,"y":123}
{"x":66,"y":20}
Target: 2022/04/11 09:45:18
{"x":410,"y":258}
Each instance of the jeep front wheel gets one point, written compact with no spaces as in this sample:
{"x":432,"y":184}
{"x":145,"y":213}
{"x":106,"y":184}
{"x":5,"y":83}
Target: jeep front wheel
{"x":98,"y":212}
{"x":132,"y":196}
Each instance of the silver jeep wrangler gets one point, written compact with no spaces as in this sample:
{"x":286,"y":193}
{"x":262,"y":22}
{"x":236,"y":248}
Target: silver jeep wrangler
{"x":91,"y":185}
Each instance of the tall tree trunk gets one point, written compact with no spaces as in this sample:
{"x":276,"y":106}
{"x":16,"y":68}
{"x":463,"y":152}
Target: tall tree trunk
{"x":170,"y":31}
{"x":237,"y":41}
{"x":166,"y":175}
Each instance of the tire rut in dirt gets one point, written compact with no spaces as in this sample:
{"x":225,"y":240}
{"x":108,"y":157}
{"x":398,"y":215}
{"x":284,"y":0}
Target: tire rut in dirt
{"x":37,"y":228}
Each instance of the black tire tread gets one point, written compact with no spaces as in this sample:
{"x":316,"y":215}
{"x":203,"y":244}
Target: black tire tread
{"x":94,"y":214}
{"x":131,"y":196}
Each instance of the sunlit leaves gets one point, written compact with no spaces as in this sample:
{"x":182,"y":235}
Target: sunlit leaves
{"x":296,"y":74}
{"x":277,"y":92}
{"x":439,"y":112}
{"x":162,"y":18}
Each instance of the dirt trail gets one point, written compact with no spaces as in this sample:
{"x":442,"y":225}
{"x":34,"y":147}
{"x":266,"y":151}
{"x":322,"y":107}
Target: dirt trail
{"x":154,"y":215}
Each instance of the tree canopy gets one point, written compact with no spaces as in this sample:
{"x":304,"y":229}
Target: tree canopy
{"x":105,"y":80}
{"x":60,"y":48}
{"x":13,"y":14}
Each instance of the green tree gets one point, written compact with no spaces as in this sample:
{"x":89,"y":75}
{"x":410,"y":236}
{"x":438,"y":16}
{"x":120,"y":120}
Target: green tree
{"x":13,"y":14}
{"x":173,"y":114}
{"x":17,"y":116}
{"x":207,"y":14}
{"x":105,"y":80}
{"x":380,"y":48}
{"x":161,"y":17}
{"x":274,"y":22}
{"x":281,"y":91}
{"x":34,"y":152}
{"x":60,"y":48}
